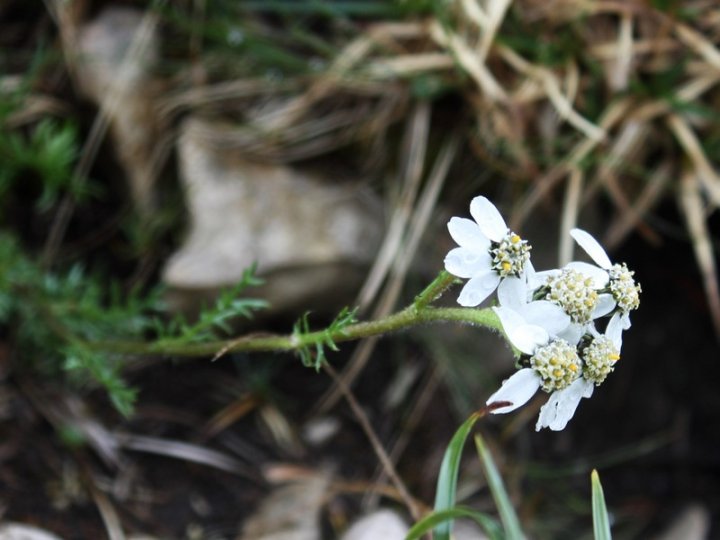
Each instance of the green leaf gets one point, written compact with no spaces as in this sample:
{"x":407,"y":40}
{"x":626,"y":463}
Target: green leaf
{"x":509,"y":518}
{"x":447,"y":479}
{"x":433,"y":519}
{"x":307,"y":357}
{"x":228,"y":306}
{"x":601,"y":523}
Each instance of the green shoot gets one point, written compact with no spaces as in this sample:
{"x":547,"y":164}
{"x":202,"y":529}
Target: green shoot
{"x":601,"y":522}
{"x":509,"y":518}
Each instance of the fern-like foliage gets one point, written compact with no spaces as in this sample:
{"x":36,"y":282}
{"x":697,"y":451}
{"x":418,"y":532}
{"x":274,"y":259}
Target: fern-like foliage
{"x":214,"y":322}
{"x":64,"y":321}
{"x":59,"y":317}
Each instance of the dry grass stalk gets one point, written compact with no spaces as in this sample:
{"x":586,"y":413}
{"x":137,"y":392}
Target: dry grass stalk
{"x":699,"y":44}
{"x":467,"y":58}
{"x":410,"y":64}
{"x":413,"y":160}
{"x":624,"y":150}
{"x":182,"y":450}
{"x":68,"y":16}
{"x":693,"y":208}
{"x":609,"y":51}
{"x":413,"y":508}
{"x":642,"y":205}
{"x":690,"y":143}
{"x":571,"y":207}
{"x":551,"y":86}
{"x":611,"y":116}
{"x":620,"y":73}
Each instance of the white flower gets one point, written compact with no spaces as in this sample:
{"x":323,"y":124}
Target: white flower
{"x":624,"y":291}
{"x":554,"y":366}
{"x":579,"y":289}
{"x":599,"y":357}
{"x":488,"y":254}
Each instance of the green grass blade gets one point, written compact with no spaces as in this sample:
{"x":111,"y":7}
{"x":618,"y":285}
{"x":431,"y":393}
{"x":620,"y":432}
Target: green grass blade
{"x":447,"y":479}
{"x":601,"y":523}
{"x":509,"y":518}
{"x":489,"y":525}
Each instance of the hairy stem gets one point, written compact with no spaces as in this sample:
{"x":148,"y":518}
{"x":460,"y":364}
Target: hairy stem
{"x":408,"y":317}
{"x":433,"y":291}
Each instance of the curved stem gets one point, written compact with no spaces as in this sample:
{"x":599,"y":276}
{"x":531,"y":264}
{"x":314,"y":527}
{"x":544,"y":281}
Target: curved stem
{"x":408,"y":317}
{"x":433,"y":291}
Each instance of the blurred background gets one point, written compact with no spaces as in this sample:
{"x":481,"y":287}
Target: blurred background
{"x":152,"y":152}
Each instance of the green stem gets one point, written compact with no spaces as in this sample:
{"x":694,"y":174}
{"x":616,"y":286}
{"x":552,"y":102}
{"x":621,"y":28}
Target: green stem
{"x":408,"y":317}
{"x":433,"y":291}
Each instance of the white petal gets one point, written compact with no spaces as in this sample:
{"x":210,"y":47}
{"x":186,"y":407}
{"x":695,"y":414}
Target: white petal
{"x":626,"y":321}
{"x":512,"y":293}
{"x":573,"y":333}
{"x":518,"y":390}
{"x":478,"y":288}
{"x":547,"y":315}
{"x":466,"y":263}
{"x":525,"y":337}
{"x":590,"y":328}
{"x":614,"y":330}
{"x":599,"y":276}
{"x":488,"y":218}
{"x":530,"y":276}
{"x":605,"y":304}
{"x":467,"y":234}
{"x":592,"y":247}
{"x":561,"y":406}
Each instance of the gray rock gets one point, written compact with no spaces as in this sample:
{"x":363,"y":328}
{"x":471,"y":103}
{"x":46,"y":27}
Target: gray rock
{"x":383,"y":524}
{"x":291,"y":512}
{"x":308,"y":236}
{"x":693,"y":523}
{"x":20,"y":531}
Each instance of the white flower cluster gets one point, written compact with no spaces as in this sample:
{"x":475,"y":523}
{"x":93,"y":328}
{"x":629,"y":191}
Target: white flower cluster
{"x":549,"y":316}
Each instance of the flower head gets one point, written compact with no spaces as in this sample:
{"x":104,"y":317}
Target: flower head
{"x":553,"y":366}
{"x":549,"y":316}
{"x":488,"y":252}
{"x":579,"y":290}
{"x":599,"y":356}
{"x":567,"y":371}
{"x":622,"y":287}
{"x":574,"y":292}
{"x":601,"y":353}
